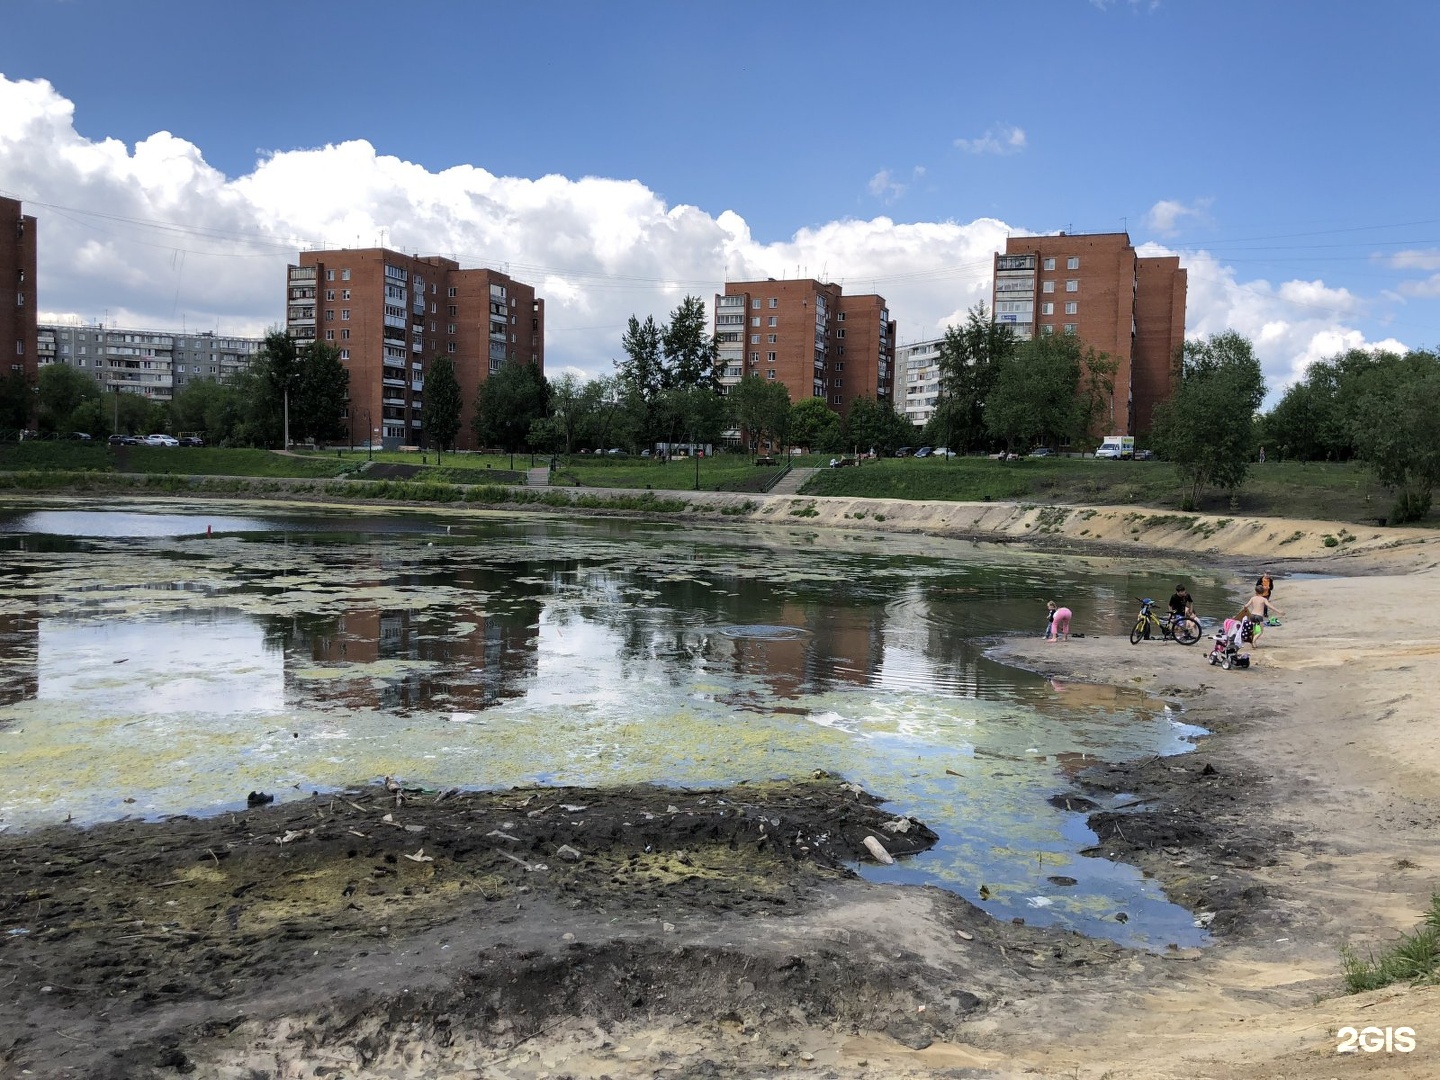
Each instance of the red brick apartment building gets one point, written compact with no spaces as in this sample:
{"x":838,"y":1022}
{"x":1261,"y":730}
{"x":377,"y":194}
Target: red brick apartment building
{"x":18,"y":330}
{"x":391,"y":315}
{"x":809,"y":336}
{"x":1096,"y":287}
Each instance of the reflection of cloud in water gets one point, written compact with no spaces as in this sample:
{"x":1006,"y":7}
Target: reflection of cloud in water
{"x":212,"y":665}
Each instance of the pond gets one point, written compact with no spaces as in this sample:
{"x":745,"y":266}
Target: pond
{"x":158,"y":663}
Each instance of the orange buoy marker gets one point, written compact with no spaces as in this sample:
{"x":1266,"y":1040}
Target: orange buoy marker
{"x":208,"y":529}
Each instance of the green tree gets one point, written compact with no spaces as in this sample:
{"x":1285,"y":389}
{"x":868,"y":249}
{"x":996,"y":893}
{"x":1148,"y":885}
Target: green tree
{"x":317,"y":402}
{"x":62,"y":391}
{"x":17,"y":399}
{"x":876,"y":424}
{"x":508,"y":403}
{"x":642,"y":374}
{"x":815,"y":426}
{"x":760,"y":408}
{"x":1036,"y":395}
{"x":276,"y":368}
{"x":570,"y":407}
{"x":970,"y":356}
{"x":1397,"y":428}
{"x":442,"y":404}
{"x":1207,"y":426}
{"x":690,"y":349}
{"x":209,"y":407}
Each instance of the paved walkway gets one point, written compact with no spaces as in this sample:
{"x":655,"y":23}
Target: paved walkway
{"x":538,"y":477}
{"x":792,"y":482}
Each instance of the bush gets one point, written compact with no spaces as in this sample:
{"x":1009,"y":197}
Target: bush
{"x":1414,"y":958}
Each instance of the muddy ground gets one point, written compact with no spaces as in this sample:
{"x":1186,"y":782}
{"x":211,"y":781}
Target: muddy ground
{"x":368,"y":934}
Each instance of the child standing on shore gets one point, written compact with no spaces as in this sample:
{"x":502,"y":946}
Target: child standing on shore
{"x":1059,"y":623}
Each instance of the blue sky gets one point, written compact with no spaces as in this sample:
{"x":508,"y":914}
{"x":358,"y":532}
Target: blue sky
{"x":621,"y":154}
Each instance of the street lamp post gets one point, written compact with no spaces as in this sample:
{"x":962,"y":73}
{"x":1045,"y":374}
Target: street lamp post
{"x":369,"y":437}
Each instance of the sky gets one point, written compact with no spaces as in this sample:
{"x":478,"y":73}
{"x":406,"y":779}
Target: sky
{"x":621,"y":155}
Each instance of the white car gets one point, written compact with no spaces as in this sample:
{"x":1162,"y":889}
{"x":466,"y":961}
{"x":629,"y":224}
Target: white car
{"x":1110,"y":452}
{"x":161,"y":440}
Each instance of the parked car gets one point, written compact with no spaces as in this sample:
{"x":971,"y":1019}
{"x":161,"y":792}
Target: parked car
{"x":1108,"y":453}
{"x":1042,"y":451}
{"x":122,"y":440}
{"x":615,"y":451}
{"x":1144,"y":455}
{"x":904,"y":451}
{"x":78,"y":436}
{"x":161,"y":440}
{"x":191,"y":440}
{"x":924,"y":451}
{"x":944,"y":451}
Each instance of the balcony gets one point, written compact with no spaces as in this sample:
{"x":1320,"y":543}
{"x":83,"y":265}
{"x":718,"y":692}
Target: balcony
{"x":415,"y":423}
{"x":417,"y":346}
{"x":399,"y":383}
{"x":302,"y":273}
{"x":396,"y":401}
{"x":418,"y":386}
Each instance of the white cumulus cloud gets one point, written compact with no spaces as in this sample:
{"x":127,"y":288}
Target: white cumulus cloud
{"x":1001,"y":140}
{"x":151,"y":235}
{"x":1167,"y":215}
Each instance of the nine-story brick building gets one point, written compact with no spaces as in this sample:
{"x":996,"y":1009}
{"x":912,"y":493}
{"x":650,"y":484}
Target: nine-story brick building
{"x":391,"y":315}
{"x":18,"y":330}
{"x":1095,"y":287}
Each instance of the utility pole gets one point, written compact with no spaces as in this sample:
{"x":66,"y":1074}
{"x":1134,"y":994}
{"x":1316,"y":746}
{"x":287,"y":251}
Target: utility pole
{"x":287,"y":417}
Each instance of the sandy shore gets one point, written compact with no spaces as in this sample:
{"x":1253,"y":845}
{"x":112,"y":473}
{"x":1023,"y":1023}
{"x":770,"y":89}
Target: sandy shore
{"x":1307,"y":821}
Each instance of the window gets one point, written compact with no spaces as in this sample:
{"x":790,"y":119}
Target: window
{"x":329,"y":294}
{"x":1072,"y":263}
{"x":770,"y":374}
{"x":1069,"y":328}
{"x":344,"y":275}
{"x":771,"y":339}
{"x":344,"y":294}
{"x":1071,"y":307}
{"x":329,"y":275}
{"x":432,"y":307}
{"x":329,"y":314}
{"x":1047,"y":309}
{"x":1047,"y":286}
{"x":452,"y":311}
{"x":345,"y":334}
{"x":450,"y":291}
{"x":345,"y":314}
{"x":344,"y":354}
{"x":840,"y":332}
{"x":774,"y":320}
{"x":755,"y":303}
{"x":774,"y":301}
{"x":450,"y":328}
{"x":756,"y":320}
{"x":754,"y":358}
{"x":770,"y":358}
{"x":754,"y":339}
{"x":1048,"y":264}
{"x":329,"y":335}
{"x":1072,"y":285}
{"x":450,"y":346}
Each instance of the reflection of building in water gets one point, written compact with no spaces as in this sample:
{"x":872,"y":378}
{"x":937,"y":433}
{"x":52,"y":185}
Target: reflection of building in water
{"x":460,"y":660}
{"x":19,"y":646}
{"x":841,"y":648}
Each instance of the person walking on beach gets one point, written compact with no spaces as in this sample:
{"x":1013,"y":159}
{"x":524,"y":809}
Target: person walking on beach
{"x":1059,"y":623}
{"x":1252,"y":616}
{"x":1264,"y":584}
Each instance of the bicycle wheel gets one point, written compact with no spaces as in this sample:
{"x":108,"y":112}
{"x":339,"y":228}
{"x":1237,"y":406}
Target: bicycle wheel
{"x":1138,"y":632}
{"x":1187,"y":631}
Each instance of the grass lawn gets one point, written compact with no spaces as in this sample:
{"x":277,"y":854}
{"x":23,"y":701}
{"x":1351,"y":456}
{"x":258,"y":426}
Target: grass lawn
{"x":724,"y":472}
{"x":45,"y":456}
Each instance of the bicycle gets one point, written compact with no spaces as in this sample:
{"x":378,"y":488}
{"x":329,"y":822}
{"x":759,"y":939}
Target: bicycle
{"x":1182,"y":628}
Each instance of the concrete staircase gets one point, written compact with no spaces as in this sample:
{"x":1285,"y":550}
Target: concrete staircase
{"x":792,"y":482}
{"x":538,"y":477}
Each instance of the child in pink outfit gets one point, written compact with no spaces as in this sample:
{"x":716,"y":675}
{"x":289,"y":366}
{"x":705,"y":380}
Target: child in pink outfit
{"x":1059,"y":623}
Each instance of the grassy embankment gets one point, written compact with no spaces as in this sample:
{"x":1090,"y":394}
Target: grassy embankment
{"x":1327,"y":492}
{"x":1331,"y":492}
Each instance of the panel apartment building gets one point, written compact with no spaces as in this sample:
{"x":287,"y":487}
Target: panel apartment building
{"x":18,"y":341}
{"x":920,"y":370}
{"x":809,"y":336}
{"x":1096,"y":287}
{"x":391,"y":315}
{"x":155,"y":364}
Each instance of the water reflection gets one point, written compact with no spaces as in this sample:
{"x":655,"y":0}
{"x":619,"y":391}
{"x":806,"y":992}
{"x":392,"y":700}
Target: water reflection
{"x":181,"y":669}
